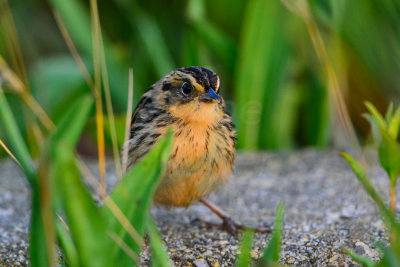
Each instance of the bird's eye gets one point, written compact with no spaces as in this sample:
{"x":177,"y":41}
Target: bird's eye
{"x":186,"y":89}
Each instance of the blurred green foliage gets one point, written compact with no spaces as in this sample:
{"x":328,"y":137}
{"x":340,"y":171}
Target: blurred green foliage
{"x":272,"y":250}
{"x":271,"y":77}
{"x":63,"y":208}
{"x":385,"y":131}
{"x":391,"y":253}
{"x":88,"y":235}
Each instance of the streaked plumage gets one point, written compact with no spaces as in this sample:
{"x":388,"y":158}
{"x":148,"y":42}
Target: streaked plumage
{"x":204,"y":137}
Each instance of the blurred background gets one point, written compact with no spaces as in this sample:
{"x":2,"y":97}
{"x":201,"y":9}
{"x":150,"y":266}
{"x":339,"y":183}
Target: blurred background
{"x":293,"y":72}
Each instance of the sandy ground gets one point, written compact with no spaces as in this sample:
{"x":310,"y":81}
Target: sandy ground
{"x":325,"y":210}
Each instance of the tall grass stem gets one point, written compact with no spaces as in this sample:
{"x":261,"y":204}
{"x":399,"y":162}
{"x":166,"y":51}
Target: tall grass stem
{"x":128,"y":123}
{"x":97,"y":95}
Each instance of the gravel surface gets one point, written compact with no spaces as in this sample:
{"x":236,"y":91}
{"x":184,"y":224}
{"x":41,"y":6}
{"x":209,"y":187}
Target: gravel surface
{"x":325,"y":210}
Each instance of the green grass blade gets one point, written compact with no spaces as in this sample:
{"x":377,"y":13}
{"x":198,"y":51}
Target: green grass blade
{"x":77,"y":21}
{"x":18,"y":146}
{"x":38,"y":249}
{"x":69,"y":130}
{"x":222,"y":46}
{"x":389,"y":156}
{"x":365,"y":182}
{"x":272,"y":251}
{"x":244,"y":259}
{"x":260,"y":72}
{"x":315,"y":109}
{"x":158,"y":252}
{"x":155,"y":43}
{"x":86,"y":221}
{"x":375,"y":113}
{"x":70,"y":127}
{"x":134,"y":195}
{"x":151,"y":36}
{"x":390,"y":257}
{"x":360,"y":259}
{"x":219,"y":43}
{"x":76,"y":17}
{"x":67,"y":246}
{"x":55,"y":76}
{"x":374,"y":126}
{"x":394,"y":124}
{"x":389,"y":113}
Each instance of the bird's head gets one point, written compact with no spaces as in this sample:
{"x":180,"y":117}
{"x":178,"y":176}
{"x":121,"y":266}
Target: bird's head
{"x":192,"y":93}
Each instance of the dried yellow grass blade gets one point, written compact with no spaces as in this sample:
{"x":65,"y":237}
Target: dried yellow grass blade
{"x":110,"y":112}
{"x":124,"y":246}
{"x":12,"y":42}
{"x":19,"y":87}
{"x":128,"y":122}
{"x":9,"y":152}
{"x":73,"y":50}
{"x":97,"y":94}
{"x":301,"y":8}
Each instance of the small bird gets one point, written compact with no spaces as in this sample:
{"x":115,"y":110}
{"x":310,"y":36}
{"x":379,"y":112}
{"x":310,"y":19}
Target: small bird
{"x":203,"y":151}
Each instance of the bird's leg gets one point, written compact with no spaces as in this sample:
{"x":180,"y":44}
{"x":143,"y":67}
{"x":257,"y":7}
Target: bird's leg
{"x":228,"y":223}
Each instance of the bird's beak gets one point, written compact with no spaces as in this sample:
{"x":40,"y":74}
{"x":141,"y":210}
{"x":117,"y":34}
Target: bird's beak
{"x":210,"y":96}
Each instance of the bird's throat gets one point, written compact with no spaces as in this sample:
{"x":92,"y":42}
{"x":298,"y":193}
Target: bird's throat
{"x":197,"y":112}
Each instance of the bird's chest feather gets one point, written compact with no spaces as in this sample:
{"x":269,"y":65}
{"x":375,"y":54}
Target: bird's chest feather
{"x":193,"y":147}
{"x":197,"y":137}
{"x":201,"y":159}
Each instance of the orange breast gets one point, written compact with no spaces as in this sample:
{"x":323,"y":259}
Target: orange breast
{"x":198,"y":162}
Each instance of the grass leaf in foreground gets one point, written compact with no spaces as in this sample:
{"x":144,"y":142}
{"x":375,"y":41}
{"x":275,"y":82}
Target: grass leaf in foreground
{"x":272,"y":251}
{"x":40,"y":253}
{"x":362,"y":177}
{"x":389,"y":152}
{"x":360,"y":259}
{"x":18,"y":147}
{"x":158,"y":252}
{"x":88,"y":240}
{"x":71,"y":125}
{"x":134,"y":195}
{"x":86,"y":221}
{"x":391,"y":255}
{"x":67,"y":245}
{"x":244,"y":259}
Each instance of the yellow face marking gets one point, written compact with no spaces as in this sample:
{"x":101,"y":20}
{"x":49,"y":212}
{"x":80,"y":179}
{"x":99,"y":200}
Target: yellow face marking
{"x":177,"y":81}
{"x":200,"y":89}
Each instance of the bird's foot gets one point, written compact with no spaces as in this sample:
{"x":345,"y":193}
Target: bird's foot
{"x":232,"y":227}
{"x":228,"y":224}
